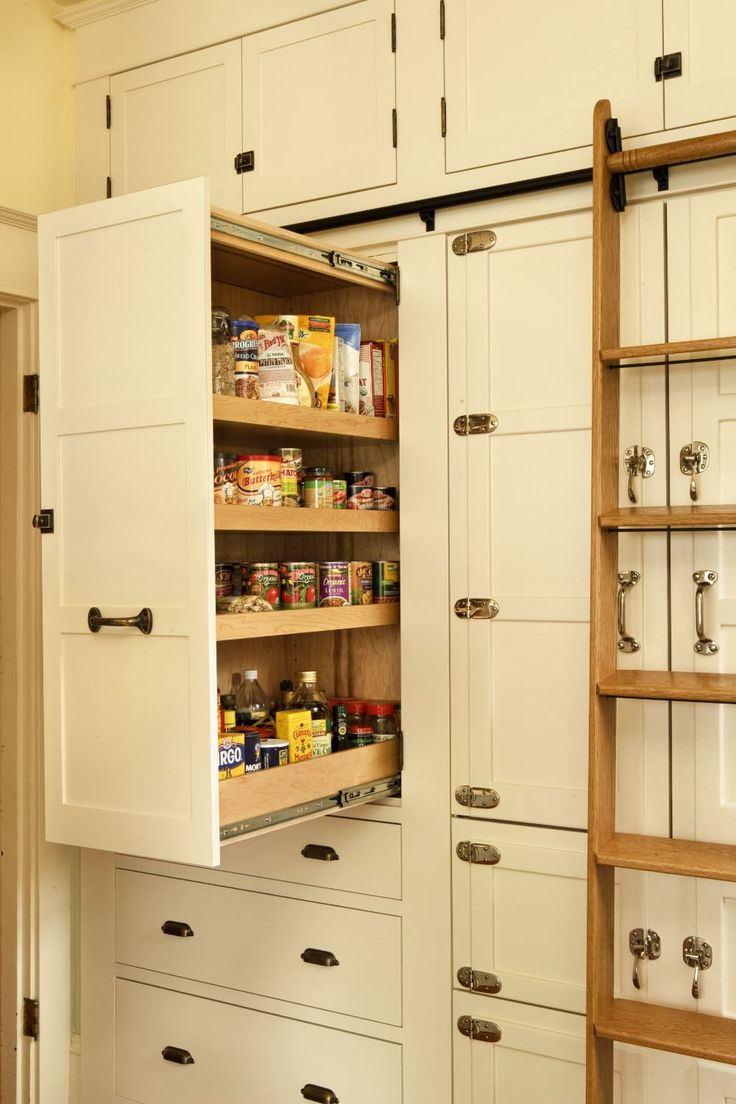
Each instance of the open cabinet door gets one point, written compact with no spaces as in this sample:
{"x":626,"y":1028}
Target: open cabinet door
{"x":126,"y":446}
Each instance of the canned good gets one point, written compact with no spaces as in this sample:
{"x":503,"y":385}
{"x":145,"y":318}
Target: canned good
{"x":244,"y":333}
{"x":291,"y":477}
{"x":359,"y":478}
{"x":334,"y":583}
{"x":298,"y":585}
{"x":264,"y":581}
{"x":318,"y":488}
{"x":223,"y":580}
{"x":230,"y":755}
{"x":339,"y":494}
{"x":385,"y":581}
{"x":384,"y":498}
{"x":361,"y":583}
{"x":359,"y":735}
{"x":259,"y":480}
{"x":251,"y":748}
{"x":359,"y":497}
{"x":226,"y":478}
{"x":274,"y":753}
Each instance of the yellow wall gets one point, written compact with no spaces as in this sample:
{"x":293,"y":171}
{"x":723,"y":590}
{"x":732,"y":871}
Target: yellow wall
{"x":36,"y":108}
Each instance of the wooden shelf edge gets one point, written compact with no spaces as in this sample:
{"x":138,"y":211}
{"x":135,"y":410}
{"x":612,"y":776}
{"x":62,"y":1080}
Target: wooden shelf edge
{"x":669,"y":517}
{"x":261,"y":414}
{"x":285,"y":519}
{"x":667,"y":348}
{"x":712,"y":1038}
{"x":248,"y":626}
{"x":661,"y":855}
{"x":265,"y":792}
{"x":688,"y":686}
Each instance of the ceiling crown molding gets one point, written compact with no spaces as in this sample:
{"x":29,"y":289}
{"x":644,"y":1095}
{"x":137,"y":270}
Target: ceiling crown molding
{"x":89,"y":11}
{"x":22,"y":221}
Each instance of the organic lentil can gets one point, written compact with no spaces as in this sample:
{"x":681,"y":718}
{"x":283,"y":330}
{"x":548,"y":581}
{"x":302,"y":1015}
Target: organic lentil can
{"x":263,"y":580}
{"x":339,"y":494}
{"x":226,"y":478}
{"x":318,"y":488}
{"x":385,"y":581}
{"x":334,"y":583}
{"x":298,"y":585}
{"x":361,"y":583}
{"x":384,"y":498}
{"x":245,"y":345}
{"x":223,"y":580}
{"x":259,"y":480}
{"x":274,"y":753}
{"x":359,"y":735}
{"x":291,"y":477}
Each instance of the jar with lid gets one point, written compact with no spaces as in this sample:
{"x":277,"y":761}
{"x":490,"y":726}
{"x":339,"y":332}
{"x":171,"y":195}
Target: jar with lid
{"x":252,"y":706}
{"x":318,"y":488}
{"x":381,"y":716}
{"x":356,"y":712}
{"x":308,"y":696}
{"x":223,"y":356}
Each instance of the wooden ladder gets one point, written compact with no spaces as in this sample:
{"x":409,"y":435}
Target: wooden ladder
{"x":608,"y":1020}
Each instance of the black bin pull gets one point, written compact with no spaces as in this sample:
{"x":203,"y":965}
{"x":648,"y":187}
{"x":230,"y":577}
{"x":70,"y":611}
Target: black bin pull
{"x":176,"y":1054}
{"x":320,"y":1094}
{"x":176,"y":927}
{"x":319,"y":958}
{"x":320,"y":851}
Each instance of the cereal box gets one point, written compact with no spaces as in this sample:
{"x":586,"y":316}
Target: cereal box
{"x":295,"y":726}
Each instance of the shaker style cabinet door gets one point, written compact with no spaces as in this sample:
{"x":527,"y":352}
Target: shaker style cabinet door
{"x":178,"y":119}
{"x":520,"y":78}
{"x":126,"y":443}
{"x":318,"y":97}
{"x":704,"y":32}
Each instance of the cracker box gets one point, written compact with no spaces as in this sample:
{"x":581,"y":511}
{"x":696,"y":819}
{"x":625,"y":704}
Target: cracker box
{"x":373,"y":350}
{"x":295,"y":726}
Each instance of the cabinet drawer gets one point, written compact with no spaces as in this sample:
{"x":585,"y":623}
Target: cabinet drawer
{"x":239,"y":1055}
{"x":254,"y":942}
{"x":357,"y":856}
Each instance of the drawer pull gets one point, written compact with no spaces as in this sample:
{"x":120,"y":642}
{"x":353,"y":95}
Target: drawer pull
{"x":320,"y":1094}
{"x":176,"y":927}
{"x":319,"y":851}
{"x":319,"y":958}
{"x":176,"y":1054}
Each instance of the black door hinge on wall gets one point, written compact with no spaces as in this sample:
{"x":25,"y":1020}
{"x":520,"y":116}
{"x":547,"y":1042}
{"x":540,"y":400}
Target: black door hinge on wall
{"x":245,"y":162}
{"x":108,"y":188}
{"x":393,"y":32}
{"x":108,"y":112}
{"x":442,"y":18}
{"x":395,"y":127}
{"x":667,"y":66}
{"x":30,"y":1018}
{"x":30,"y":394}
{"x":443,"y":116}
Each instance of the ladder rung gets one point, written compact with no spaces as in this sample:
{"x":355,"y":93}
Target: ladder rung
{"x":712,"y":1038}
{"x":689,"y":858}
{"x":669,"y":517}
{"x":686,"y":150}
{"x":668,"y":348}
{"x":690,"y":686}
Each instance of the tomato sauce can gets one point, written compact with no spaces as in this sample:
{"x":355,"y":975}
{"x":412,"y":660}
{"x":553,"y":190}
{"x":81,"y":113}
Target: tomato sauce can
{"x":263,"y":580}
{"x":291,"y":477}
{"x":334,"y":583}
{"x":361,"y":583}
{"x":298,"y":584}
{"x":385,"y":581}
{"x":259,"y":480}
{"x":226,"y":478}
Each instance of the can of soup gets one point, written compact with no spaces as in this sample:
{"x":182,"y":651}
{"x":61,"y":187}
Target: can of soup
{"x":259,"y":479}
{"x":384,"y":498}
{"x":263,"y":580}
{"x":291,"y":477}
{"x":361,"y":583}
{"x":298,"y":585}
{"x":334,"y":583}
{"x":385,"y":581}
{"x":359,"y":497}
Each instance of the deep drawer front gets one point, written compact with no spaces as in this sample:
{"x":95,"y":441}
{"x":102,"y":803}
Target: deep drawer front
{"x":357,"y":856}
{"x":239,"y":1056}
{"x":254,"y":942}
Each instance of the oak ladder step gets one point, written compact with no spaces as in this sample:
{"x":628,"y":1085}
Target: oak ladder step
{"x":689,"y":686}
{"x":689,"y":858}
{"x":669,"y":517}
{"x":667,"y":348}
{"x":712,"y":1038}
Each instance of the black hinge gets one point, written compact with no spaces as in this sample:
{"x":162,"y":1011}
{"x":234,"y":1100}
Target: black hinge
{"x":442,"y":18}
{"x":30,"y":1018}
{"x":443,"y":116}
{"x":393,"y":32}
{"x":108,"y":112}
{"x":44,"y":521}
{"x":30,"y":394}
{"x":108,"y":189}
{"x":245,"y":162}
{"x":395,"y":127}
{"x":667,"y":66}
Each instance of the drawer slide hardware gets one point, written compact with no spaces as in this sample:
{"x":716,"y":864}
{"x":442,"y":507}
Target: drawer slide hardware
{"x":483,"y":854}
{"x":474,"y":242}
{"x":320,"y":1094}
{"x":477,"y":609}
{"x":320,"y":851}
{"x":44,"y":521}
{"x":319,"y":958}
{"x":177,"y":1055}
{"x":477,"y":797}
{"x":479,"y":982}
{"x":142,"y":621}
{"x":482,"y":1031}
{"x":177,"y":927}
{"x":475,"y":425}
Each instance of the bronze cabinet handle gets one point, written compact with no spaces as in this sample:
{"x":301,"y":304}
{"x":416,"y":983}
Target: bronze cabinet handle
{"x":319,"y":1094}
{"x":142,"y":621}
{"x":176,"y":927}
{"x":320,"y":851}
{"x":319,"y":958}
{"x":176,"y":1054}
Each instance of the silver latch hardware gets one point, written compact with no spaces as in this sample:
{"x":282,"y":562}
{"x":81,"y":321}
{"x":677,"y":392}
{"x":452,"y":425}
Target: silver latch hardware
{"x":481,"y":609}
{"x":626,"y":580}
{"x":474,"y":242}
{"x":474,"y":425}
{"x":477,"y":797}
{"x":643,"y":945}
{"x":638,"y":461}
{"x":703,"y":646}
{"x":484,"y":854}
{"x":482,"y":1031}
{"x":698,"y":955}
{"x":478,"y":981}
{"x":694,"y":459}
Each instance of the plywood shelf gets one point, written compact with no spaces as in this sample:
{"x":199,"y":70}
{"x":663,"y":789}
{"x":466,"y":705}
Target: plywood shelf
{"x":689,"y":858}
{"x":689,"y":686}
{"x":706,"y":348}
{"x":265,"y":792}
{"x":267,"y":519}
{"x":712,"y":1038}
{"x":311,"y":423}
{"x":670,"y":517}
{"x":250,"y":626}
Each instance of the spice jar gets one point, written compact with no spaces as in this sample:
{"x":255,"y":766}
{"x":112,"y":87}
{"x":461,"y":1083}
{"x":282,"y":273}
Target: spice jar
{"x":382,"y":718}
{"x":223,"y":357}
{"x":359,"y":735}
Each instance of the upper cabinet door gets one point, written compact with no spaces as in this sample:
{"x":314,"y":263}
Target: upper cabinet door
{"x":318,"y":100}
{"x":520,"y":78}
{"x":179,"y":119}
{"x":703,"y":31}
{"x":126,"y":439}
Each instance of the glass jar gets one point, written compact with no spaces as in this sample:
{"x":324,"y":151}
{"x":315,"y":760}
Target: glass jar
{"x":223,"y":356}
{"x":381,"y":716}
{"x":318,"y":488}
{"x":308,"y":696}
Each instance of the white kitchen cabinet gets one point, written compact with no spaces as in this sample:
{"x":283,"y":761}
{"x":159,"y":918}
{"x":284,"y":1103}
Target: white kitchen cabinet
{"x":703,"y":32}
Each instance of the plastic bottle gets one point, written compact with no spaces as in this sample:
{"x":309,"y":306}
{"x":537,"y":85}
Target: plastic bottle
{"x":252,"y":707}
{"x":308,"y":696}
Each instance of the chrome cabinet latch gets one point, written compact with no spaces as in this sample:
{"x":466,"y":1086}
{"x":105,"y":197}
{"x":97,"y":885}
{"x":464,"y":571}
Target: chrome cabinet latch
{"x":482,"y":1031}
{"x":485,"y":854}
{"x":638,"y":462}
{"x":643,"y":945}
{"x":478,"y":981}
{"x":703,"y":646}
{"x":698,"y":955}
{"x":474,"y":425}
{"x":474,"y":242}
{"x":694,"y":459}
{"x":626,"y":580}
{"x":477,"y":609}
{"x":477,"y":797}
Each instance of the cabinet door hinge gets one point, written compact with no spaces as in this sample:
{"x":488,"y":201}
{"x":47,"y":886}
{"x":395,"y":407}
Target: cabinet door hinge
{"x":443,"y":116}
{"x":108,"y":112}
{"x":395,"y":127}
{"x":667,"y":66}
{"x":30,"y":1018}
{"x":393,"y":32}
{"x":245,"y":162}
{"x":108,"y":188}
{"x":30,"y":394}
{"x":44,"y":521}
{"x":442,"y":18}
